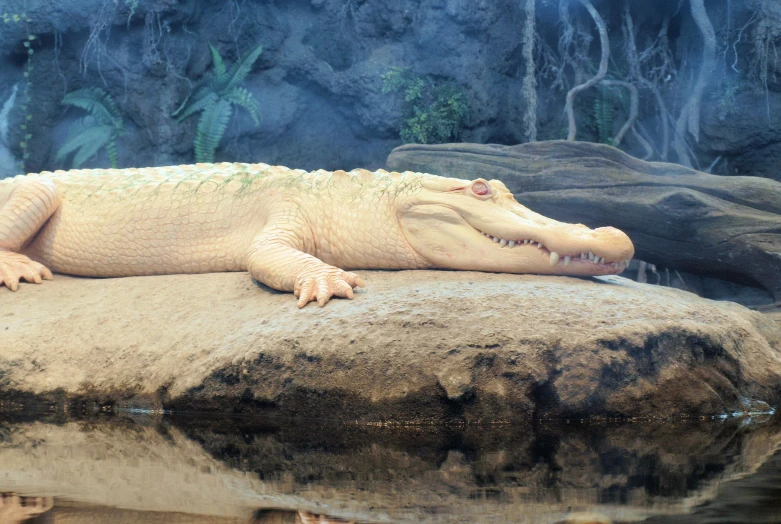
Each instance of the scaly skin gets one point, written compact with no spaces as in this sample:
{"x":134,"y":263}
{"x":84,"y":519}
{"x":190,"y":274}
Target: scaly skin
{"x":291,"y":230}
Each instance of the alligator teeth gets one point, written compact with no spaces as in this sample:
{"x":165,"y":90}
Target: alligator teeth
{"x":601,"y":260}
{"x":539,"y":244}
{"x":583,"y":256}
{"x":525,"y":242}
{"x":495,"y":239}
{"x":511,"y":243}
{"x":591,"y":256}
{"x":554,"y":258}
{"x":566,"y":260}
{"x":502,"y":242}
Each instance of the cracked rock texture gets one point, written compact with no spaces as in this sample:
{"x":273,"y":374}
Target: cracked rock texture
{"x":414,"y":346}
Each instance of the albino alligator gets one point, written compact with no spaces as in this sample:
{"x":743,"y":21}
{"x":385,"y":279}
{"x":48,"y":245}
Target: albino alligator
{"x":292,"y":230}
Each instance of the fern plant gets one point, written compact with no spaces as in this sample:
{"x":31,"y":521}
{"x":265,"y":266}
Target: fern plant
{"x":434,"y":111}
{"x":99,"y":129}
{"x":215,"y":98}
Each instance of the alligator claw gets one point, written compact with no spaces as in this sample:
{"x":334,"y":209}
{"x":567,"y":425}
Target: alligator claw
{"x":324,"y":283}
{"x":15,"y":267}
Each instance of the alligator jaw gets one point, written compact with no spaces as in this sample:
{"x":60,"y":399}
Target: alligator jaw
{"x":479,"y":226}
{"x":565,"y":261}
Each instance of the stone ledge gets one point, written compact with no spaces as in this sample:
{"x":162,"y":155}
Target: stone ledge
{"x":414,"y":346}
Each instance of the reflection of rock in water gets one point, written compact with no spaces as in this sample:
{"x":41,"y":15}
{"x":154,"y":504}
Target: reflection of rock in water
{"x":15,"y":509}
{"x":231,"y":468}
{"x":755,"y":499}
{"x":74,"y":513}
{"x":69,"y":513}
{"x":305,"y":517}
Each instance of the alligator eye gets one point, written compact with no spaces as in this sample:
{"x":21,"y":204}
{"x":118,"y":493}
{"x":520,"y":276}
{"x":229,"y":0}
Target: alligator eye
{"x":481,"y":188}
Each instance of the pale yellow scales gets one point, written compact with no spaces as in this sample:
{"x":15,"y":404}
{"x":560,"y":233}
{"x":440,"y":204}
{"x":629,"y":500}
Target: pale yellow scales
{"x":292,"y":230}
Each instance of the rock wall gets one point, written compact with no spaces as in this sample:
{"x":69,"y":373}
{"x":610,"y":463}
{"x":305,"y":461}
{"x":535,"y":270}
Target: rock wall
{"x":318,"y":81}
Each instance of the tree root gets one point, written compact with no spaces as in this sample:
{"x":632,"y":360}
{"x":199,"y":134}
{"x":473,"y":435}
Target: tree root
{"x":529,"y":79}
{"x":605,"y":43}
{"x":689,"y":118}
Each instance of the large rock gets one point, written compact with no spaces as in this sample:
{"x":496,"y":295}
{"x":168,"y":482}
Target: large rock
{"x":729,"y":227}
{"x":414,"y":346}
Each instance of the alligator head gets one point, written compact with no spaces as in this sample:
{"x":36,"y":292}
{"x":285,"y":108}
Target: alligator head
{"x":478,"y":225}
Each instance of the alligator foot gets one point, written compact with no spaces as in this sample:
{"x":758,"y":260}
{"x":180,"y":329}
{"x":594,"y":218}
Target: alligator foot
{"x":323,"y":283}
{"x":15,"y":267}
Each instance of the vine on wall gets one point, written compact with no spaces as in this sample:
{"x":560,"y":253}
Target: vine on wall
{"x":24,"y":20}
{"x":731,"y":48}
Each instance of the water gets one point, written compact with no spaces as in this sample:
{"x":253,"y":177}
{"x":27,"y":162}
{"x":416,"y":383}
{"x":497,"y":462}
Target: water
{"x":132,"y":467}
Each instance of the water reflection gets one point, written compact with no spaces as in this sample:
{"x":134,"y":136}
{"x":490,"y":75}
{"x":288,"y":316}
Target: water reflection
{"x":14,"y":509}
{"x":169,"y":469}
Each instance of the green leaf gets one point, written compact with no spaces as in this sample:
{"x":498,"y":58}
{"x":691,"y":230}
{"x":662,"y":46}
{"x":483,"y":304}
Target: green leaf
{"x":219,"y":65}
{"x":211,"y":127}
{"x":76,"y":130}
{"x":433,"y":112}
{"x":201,"y":104}
{"x":111,"y":149}
{"x":238,"y":72}
{"x":95,"y":101}
{"x":243,"y":98}
{"x":203,"y":89}
{"x":86,"y":137}
{"x":215,"y":97}
{"x":100,"y":137}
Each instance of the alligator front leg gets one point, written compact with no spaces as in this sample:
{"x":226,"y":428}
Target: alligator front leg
{"x":26,"y":209}
{"x":276,"y":259}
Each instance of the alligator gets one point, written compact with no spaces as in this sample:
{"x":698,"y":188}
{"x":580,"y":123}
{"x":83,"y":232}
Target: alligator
{"x":291,"y":229}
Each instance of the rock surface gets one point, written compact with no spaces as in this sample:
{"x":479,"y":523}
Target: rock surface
{"x":748,"y":142}
{"x":677,"y":217}
{"x":415,"y":346}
